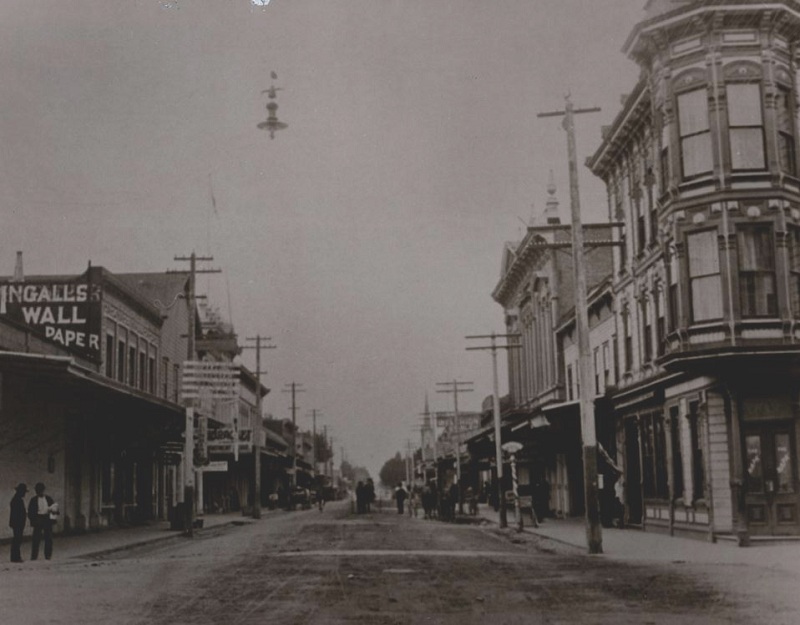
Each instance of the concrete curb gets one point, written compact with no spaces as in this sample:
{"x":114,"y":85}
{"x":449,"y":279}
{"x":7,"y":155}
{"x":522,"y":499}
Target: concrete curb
{"x":174,"y":535}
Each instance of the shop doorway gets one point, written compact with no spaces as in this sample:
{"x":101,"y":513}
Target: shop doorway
{"x":771,"y":495}
{"x":633,"y":473}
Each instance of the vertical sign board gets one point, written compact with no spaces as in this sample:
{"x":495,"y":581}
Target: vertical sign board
{"x":63,"y":311}
{"x":212,"y":387}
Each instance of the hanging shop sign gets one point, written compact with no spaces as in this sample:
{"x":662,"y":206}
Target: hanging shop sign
{"x":67,"y":312}
{"x":229,"y":440}
{"x":212,"y":380}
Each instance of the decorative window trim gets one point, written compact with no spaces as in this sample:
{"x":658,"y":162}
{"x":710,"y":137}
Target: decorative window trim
{"x":742,"y":71}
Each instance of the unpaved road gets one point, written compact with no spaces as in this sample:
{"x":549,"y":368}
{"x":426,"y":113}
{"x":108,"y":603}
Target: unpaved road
{"x":334,"y":567}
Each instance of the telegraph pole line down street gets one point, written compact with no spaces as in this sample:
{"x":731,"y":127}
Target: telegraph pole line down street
{"x":594,"y":536}
{"x":257,"y":426}
{"x":457,"y":387}
{"x":493,"y":347}
{"x":294,"y":388}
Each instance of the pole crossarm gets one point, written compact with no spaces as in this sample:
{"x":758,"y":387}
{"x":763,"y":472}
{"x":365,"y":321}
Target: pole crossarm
{"x":594,"y":109}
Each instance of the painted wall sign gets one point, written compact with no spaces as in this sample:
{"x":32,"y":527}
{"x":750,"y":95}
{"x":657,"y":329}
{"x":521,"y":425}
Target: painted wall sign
{"x":65,"y":312}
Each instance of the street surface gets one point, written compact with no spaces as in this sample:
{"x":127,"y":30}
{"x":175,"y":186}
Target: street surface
{"x":380,"y":568}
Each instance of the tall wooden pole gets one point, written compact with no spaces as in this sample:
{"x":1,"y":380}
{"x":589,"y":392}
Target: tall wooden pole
{"x":258,"y":425}
{"x":498,"y":442}
{"x":594,"y":537}
{"x":189,"y":472}
{"x":457,"y":387}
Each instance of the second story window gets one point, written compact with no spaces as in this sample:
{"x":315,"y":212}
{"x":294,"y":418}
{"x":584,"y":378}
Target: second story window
{"x":694,"y":132}
{"x":570,"y":387}
{"x":628,"y":338}
{"x":664,"y":159}
{"x":661,"y":323}
{"x":647,"y":332}
{"x":757,"y":293}
{"x":705,"y":285}
{"x":596,"y":370}
{"x":784,"y":111}
{"x":746,"y":126}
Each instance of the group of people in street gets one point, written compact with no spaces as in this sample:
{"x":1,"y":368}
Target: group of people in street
{"x":42,"y":513}
{"x":365,"y":496}
{"x":443,"y":504}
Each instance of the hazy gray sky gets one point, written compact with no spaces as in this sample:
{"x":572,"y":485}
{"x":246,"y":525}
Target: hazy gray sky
{"x":365,"y":238}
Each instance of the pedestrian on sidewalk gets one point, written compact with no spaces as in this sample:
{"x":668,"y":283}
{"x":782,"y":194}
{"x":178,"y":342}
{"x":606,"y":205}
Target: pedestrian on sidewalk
{"x":41,"y":508}
{"x":17,"y":521}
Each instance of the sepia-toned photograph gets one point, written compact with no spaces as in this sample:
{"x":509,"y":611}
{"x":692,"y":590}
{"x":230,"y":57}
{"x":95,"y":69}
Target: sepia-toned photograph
{"x":400,"y":312}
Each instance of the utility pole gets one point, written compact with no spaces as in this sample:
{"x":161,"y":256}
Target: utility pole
{"x":294,"y":388}
{"x":594,"y":535}
{"x":457,"y":387}
{"x":189,"y":471}
{"x":314,"y":415}
{"x":257,"y":427}
{"x":496,"y":412}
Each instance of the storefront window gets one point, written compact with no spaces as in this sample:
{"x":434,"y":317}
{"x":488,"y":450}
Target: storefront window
{"x":757,"y":291}
{"x":698,"y":457}
{"x":783,"y":460}
{"x":677,"y":456}
{"x":704,"y":277}
{"x":755,"y":468}
{"x":694,"y":132}
{"x":794,"y":269}
{"x":654,"y":457}
{"x":746,"y":126}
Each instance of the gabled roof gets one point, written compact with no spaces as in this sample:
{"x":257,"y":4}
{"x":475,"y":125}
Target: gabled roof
{"x":161,"y":289}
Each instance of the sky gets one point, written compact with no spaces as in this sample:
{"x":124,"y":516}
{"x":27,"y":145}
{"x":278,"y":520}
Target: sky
{"x":365,"y":239}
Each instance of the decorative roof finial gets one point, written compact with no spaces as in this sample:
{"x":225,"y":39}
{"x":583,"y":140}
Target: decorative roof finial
{"x":272,"y":124}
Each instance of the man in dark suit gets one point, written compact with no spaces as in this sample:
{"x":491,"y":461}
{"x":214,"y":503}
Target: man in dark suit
{"x":17,"y":520}
{"x":40,"y":508}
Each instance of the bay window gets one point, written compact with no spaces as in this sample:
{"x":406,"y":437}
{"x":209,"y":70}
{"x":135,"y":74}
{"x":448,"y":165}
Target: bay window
{"x":705,"y":284}
{"x":757,"y":292}
{"x":695,"y":133}
{"x":746,"y":126}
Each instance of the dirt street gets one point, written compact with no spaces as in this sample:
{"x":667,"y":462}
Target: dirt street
{"x":381,"y":568}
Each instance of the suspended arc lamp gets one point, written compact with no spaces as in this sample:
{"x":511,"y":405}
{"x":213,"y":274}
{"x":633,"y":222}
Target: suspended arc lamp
{"x":272,"y":124}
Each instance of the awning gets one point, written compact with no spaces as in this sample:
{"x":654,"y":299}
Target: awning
{"x":566,"y":406}
{"x":83,"y":383}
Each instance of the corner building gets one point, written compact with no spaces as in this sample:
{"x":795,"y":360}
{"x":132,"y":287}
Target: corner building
{"x":701,"y":167}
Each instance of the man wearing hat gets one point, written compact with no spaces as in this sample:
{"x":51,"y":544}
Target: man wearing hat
{"x":17,"y":521}
{"x":40,"y":508}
